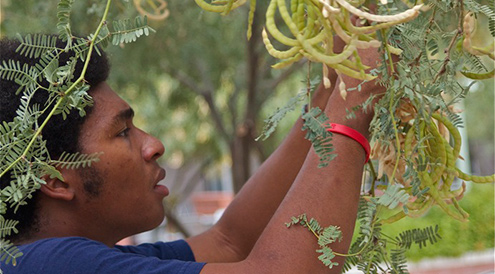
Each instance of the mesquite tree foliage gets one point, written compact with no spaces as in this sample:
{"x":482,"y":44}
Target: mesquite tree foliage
{"x":414,"y":132}
{"x":415,"y":136}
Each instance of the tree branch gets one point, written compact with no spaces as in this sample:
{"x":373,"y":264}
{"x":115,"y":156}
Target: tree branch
{"x":270,"y":86}
{"x":192,"y":84}
{"x":216,"y":116}
{"x":186,"y":80}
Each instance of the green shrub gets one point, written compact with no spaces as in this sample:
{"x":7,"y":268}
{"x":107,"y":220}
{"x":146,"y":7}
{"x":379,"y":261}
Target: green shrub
{"x":457,"y":237}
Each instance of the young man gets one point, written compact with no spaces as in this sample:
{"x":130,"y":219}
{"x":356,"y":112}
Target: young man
{"x":72,"y":226}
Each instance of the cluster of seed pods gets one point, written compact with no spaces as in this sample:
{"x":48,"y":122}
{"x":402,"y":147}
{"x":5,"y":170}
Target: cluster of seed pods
{"x":470,"y":26}
{"x":313,"y":25}
{"x":309,"y":32}
{"x":310,"y":28}
{"x":436,"y":143}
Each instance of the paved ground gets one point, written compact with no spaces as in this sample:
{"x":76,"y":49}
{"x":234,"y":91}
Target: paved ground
{"x":470,"y":263}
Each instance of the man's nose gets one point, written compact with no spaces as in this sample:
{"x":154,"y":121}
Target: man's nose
{"x":152,"y":148}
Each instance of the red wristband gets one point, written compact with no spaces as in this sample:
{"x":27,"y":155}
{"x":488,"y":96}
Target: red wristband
{"x":353,"y":134}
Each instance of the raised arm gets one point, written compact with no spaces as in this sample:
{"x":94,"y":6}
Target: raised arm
{"x":234,"y":236}
{"x":330,"y":195}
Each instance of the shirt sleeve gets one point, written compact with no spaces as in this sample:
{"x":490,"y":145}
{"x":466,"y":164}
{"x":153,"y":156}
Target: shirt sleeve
{"x":178,"y":250}
{"x":83,"y":256}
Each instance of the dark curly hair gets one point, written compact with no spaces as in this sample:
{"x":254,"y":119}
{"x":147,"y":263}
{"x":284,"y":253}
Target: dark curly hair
{"x":60,"y":135}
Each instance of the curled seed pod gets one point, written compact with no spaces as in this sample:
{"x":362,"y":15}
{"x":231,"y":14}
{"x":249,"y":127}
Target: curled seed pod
{"x":456,"y":135}
{"x":278,"y":53}
{"x":159,"y":13}
{"x":469,"y":27}
{"x":479,"y":76}
{"x":421,"y":209}
{"x":437,"y":197}
{"x":328,"y":9}
{"x":252,"y":9}
{"x":406,"y":15}
{"x":288,"y":61}
{"x":474,"y":178}
{"x":347,"y":38}
{"x":326,"y":81}
{"x":220,"y":6}
{"x":439,"y":154}
{"x":272,"y":27}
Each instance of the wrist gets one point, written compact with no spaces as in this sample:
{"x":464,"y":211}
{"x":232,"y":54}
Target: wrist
{"x":338,"y":110}
{"x":354,"y":135}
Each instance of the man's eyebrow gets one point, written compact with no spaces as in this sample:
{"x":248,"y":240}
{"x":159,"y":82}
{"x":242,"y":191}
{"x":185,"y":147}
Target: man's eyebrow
{"x":123,"y":115}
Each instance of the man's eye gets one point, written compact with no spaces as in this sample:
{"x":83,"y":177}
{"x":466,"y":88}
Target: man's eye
{"x":124,"y":133}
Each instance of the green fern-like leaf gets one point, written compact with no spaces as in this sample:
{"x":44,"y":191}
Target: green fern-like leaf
{"x":419,"y":236}
{"x":51,"y":171}
{"x":349,"y":263}
{"x":24,"y":75}
{"x":78,"y":98}
{"x":313,"y":225}
{"x":7,"y":227}
{"x":7,"y":133}
{"x":80,"y":46}
{"x":33,"y":46}
{"x":329,"y":235}
{"x":325,"y":237}
{"x":393,"y":196}
{"x":412,"y":175}
{"x":13,"y":192}
{"x":473,"y":63}
{"x":9,"y":252}
{"x":127,"y":30}
{"x":54,"y":73}
{"x":370,"y":262}
{"x":315,"y":122}
{"x":64,"y":9}
{"x":398,"y":261}
{"x":104,"y":38}
{"x":272,"y":122}
{"x":76,"y":160}
{"x":3,"y":205}
{"x":326,"y":256}
{"x":366,"y":216}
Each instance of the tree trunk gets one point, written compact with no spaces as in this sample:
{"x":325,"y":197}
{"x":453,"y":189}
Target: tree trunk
{"x":243,"y":142}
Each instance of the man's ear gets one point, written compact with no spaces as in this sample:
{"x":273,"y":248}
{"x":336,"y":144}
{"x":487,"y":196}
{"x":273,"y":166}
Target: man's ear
{"x":60,"y":189}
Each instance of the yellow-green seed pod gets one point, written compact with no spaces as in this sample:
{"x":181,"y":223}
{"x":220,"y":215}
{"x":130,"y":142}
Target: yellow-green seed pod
{"x":221,"y":7}
{"x":479,"y":76}
{"x":277,"y":53}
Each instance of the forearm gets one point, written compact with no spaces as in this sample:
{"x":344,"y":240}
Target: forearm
{"x":247,"y":216}
{"x":330,"y":195}
{"x":340,"y":179}
{"x":293,"y":250}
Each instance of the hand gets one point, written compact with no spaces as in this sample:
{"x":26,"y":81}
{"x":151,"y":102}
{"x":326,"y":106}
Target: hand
{"x":337,"y":106}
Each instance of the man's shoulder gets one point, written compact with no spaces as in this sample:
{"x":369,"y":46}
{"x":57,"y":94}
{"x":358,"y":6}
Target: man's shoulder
{"x":83,"y":255}
{"x":72,"y":242}
{"x":49,"y":254}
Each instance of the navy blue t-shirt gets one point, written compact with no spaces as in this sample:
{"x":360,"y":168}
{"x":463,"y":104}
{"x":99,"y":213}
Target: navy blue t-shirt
{"x":81,"y":255}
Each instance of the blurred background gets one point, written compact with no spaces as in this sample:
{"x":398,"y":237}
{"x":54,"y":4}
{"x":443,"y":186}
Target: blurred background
{"x":202,"y":88}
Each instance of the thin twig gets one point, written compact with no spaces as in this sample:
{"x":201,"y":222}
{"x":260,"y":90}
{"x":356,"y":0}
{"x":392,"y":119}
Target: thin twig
{"x":451,"y":44}
{"x":69,"y":90}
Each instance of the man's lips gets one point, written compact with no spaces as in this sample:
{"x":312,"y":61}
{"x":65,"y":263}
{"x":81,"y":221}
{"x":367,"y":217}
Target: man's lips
{"x":161,"y":189}
{"x":161,"y":174}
